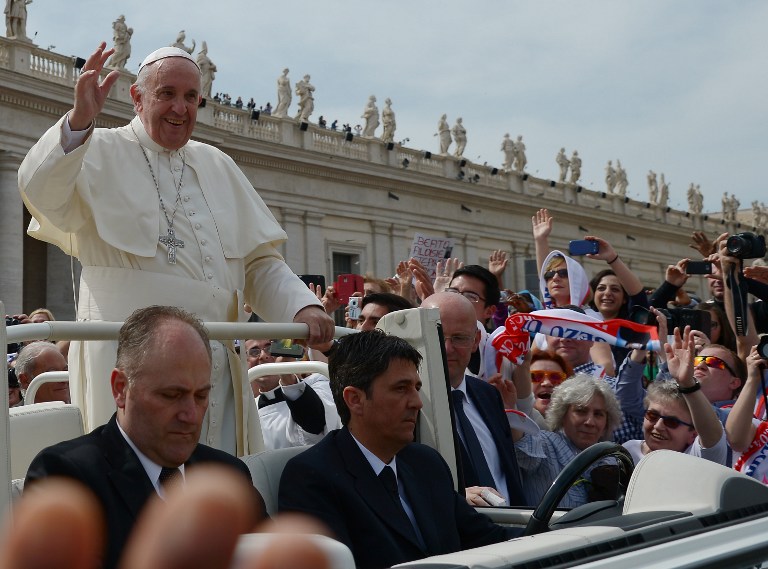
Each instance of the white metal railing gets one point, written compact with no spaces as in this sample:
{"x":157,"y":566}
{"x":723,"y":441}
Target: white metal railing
{"x":60,"y":330}
{"x":40,"y":380}
{"x":277,"y":368}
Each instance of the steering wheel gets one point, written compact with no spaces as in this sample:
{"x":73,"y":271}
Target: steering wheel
{"x":539,"y":521}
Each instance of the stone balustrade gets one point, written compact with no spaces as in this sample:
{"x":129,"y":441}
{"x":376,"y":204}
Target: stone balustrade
{"x":27,"y":59}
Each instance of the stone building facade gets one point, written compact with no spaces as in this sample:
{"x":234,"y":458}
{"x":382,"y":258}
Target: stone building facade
{"x":347,"y":205}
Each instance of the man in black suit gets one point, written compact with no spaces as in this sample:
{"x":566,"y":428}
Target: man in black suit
{"x":389,"y":499}
{"x":487,"y":451}
{"x":160,"y":385}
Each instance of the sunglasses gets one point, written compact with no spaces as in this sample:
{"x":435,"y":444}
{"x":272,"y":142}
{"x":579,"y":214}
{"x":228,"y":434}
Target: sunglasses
{"x":554,"y":377}
{"x":713,"y":362}
{"x":669,"y":422}
{"x":562,"y":273}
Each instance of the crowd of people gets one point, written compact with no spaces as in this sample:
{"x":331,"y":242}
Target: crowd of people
{"x":226,"y":100}
{"x":165,"y":399}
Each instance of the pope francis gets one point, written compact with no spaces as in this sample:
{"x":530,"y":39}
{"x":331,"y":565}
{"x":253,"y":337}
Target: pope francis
{"x":156,"y":218}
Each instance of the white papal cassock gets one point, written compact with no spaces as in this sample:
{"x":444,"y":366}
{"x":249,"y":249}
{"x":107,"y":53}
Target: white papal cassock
{"x":98,"y":202}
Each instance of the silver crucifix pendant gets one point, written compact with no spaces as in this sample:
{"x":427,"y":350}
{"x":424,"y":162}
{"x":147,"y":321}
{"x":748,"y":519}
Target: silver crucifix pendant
{"x":171,"y":242}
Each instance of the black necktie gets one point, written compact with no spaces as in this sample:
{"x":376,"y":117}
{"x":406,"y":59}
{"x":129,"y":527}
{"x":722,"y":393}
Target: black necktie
{"x":471,"y":442}
{"x":389,"y":480}
{"x":169,"y":477}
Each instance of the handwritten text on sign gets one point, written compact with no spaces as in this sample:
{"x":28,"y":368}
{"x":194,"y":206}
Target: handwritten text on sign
{"x":429,"y":250}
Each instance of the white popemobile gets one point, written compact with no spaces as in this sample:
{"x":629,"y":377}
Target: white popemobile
{"x":675,"y":510}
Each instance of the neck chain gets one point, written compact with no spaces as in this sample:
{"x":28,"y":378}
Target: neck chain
{"x":170,"y":239}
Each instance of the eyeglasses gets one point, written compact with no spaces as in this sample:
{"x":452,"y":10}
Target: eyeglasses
{"x":669,"y":422}
{"x":562,"y":273}
{"x":554,"y":377}
{"x":256,"y":351}
{"x":461,"y":340}
{"x":713,"y":362}
{"x":468,"y":294}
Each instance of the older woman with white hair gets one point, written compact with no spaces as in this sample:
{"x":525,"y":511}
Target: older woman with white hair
{"x":583,"y":411}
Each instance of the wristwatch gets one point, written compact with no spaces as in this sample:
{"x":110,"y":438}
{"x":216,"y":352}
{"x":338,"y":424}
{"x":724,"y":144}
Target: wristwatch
{"x":692,"y":389}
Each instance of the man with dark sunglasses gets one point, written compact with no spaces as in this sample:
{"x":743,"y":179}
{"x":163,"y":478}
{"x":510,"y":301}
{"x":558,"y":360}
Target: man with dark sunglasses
{"x":721,"y":374}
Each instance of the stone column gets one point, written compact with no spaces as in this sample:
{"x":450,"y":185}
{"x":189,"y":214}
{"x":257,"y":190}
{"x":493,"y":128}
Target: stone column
{"x":11,"y":233}
{"x":315,"y":246}
{"x":62,"y":270}
{"x":472,"y":258}
{"x":465,"y":248}
{"x":382,"y":261}
{"x":511,"y":280}
{"x":401,"y":244}
{"x":295,"y":251}
{"x":459,"y":250}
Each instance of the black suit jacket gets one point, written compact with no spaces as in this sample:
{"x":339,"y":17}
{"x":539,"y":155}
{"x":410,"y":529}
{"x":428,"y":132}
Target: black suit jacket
{"x":334,"y":482}
{"x":105,"y":463}
{"x":488,"y":402}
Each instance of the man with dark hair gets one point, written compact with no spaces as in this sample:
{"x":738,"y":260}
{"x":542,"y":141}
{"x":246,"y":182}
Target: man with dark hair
{"x":478,"y":285}
{"x":377,"y":305}
{"x":160,"y":385}
{"x":378,"y":491}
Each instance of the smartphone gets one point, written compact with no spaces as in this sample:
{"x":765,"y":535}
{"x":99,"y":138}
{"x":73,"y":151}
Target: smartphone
{"x":354,"y":307}
{"x":286,"y":348}
{"x":583,"y":247}
{"x":697,"y":319}
{"x":347,"y":285}
{"x":698,"y":268}
{"x":313,"y":279}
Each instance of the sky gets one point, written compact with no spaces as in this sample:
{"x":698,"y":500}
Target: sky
{"x":673,"y":86}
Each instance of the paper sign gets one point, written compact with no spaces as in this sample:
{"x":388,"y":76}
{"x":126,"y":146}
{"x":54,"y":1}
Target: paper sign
{"x":429,"y":250}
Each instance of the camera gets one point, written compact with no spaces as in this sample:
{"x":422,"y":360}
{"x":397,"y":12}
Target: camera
{"x":700,"y":320}
{"x":346,"y":285}
{"x":676,"y":318}
{"x":286,"y":348}
{"x":11,"y":321}
{"x":13,"y":381}
{"x":354,"y":307}
{"x":698,"y":268}
{"x":762,"y":347}
{"x":746,"y":245}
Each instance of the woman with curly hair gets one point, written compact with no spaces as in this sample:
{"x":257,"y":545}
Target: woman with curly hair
{"x":583,"y":411}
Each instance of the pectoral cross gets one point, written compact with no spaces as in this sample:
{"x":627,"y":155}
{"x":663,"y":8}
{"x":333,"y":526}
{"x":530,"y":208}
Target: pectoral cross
{"x":171,"y":242}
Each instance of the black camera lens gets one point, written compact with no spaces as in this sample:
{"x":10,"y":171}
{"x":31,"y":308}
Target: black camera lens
{"x":746,"y":245}
{"x":10,"y":321}
{"x":13,"y":381}
{"x":762,"y":347}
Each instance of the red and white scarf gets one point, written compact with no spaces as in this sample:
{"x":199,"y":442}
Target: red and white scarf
{"x":514,"y":342}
